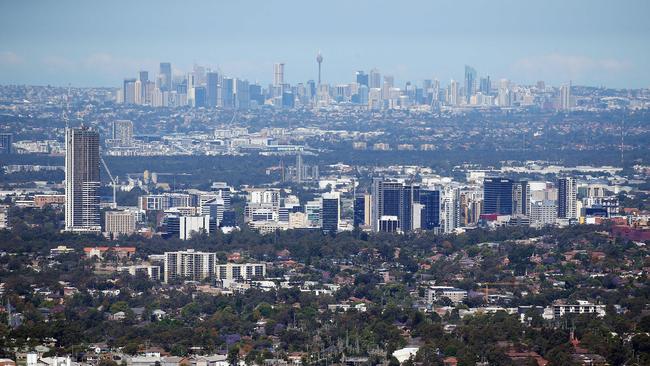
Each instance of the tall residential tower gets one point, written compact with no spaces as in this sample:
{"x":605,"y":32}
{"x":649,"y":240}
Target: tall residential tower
{"x":82,"y":180}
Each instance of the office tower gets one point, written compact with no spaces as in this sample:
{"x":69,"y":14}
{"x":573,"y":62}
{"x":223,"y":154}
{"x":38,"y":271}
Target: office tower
{"x":497,"y":196}
{"x":123,"y":132}
{"x":567,"y":198}
{"x":331,"y":212}
{"x":319,"y":59}
{"x":82,"y":180}
{"x":359,"y":211}
{"x":255,"y":94}
{"x":430,"y":217}
{"x":242,"y":96}
{"x":363,"y":95}
{"x":165,"y":76}
{"x":128,"y":91}
{"x":503,"y":97}
{"x":189,"y":265}
{"x":362,"y":78}
{"x":410,"y":196}
{"x":6,"y":143}
{"x":391,"y":198}
{"x":470,"y":82}
{"x":374,"y":79}
{"x":565,"y":97}
{"x":227,"y":93}
{"x":278,"y":74}
{"x":199,"y":96}
{"x":485,"y":85}
{"x":520,"y":194}
{"x":452,"y":97}
{"x":211,"y":87}
{"x":143,"y":78}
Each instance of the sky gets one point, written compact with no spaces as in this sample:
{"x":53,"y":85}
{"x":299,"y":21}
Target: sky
{"x":99,"y":43}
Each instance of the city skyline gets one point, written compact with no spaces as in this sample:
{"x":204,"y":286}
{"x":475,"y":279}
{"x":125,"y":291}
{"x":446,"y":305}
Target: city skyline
{"x":589,"y":43}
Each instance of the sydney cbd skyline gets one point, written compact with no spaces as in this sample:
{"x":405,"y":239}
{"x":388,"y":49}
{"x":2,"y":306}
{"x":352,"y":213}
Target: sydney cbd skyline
{"x":594,"y":43}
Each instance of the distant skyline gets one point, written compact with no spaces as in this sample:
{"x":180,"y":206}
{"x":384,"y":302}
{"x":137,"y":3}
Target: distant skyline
{"x":588,"y":42}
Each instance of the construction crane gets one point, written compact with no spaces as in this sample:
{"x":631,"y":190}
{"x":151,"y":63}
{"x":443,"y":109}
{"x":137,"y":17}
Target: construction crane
{"x":486,"y":284}
{"x":113,"y":182}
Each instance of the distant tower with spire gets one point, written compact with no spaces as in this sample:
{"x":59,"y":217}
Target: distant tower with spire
{"x":319,"y":59}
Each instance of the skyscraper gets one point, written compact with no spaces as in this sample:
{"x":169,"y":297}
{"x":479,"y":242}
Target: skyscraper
{"x":567,"y":198}
{"x":430,"y":199}
{"x":278,"y":74}
{"x":470,"y":82}
{"x":330,"y":212}
{"x":565,"y":97}
{"x":392,"y":198}
{"x":166,"y":76}
{"x":497,"y":196}
{"x":129,"y":91}
{"x":452,"y":97}
{"x":82,"y":180}
{"x":211,"y":87}
{"x":374,"y":79}
{"x":485,"y":85}
{"x":359,"y":211}
{"x":362,"y":78}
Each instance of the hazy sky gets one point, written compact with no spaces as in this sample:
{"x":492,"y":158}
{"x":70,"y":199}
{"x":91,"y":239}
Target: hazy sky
{"x":93,"y":43}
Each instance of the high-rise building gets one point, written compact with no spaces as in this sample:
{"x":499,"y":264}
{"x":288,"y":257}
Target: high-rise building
{"x":567,"y":198}
{"x":242,"y":96}
{"x":82,"y":180}
{"x":211,"y":87}
{"x":392,"y":198}
{"x":123,"y":132}
{"x":362,"y":78}
{"x":359,"y":211}
{"x":520,"y":197}
{"x":189,"y":265}
{"x":504,"y":98}
{"x":497,"y":196}
{"x":565,"y":97}
{"x":452,"y":96}
{"x":451,"y":209}
{"x":470,"y":82}
{"x":227,"y":93}
{"x":374,"y":79}
{"x":128,"y":91}
{"x":331,"y":212}
{"x":430,"y":199}
{"x":143,"y":78}
{"x":6,"y":143}
{"x":485,"y":86}
{"x":165,"y":76}
{"x":278,"y":74}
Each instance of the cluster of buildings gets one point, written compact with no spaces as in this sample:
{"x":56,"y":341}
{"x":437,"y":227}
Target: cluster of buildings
{"x":212,"y":89}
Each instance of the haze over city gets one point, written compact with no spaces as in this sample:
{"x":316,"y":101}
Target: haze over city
{"x":324,"y":183}
{"x":591,"y":43}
